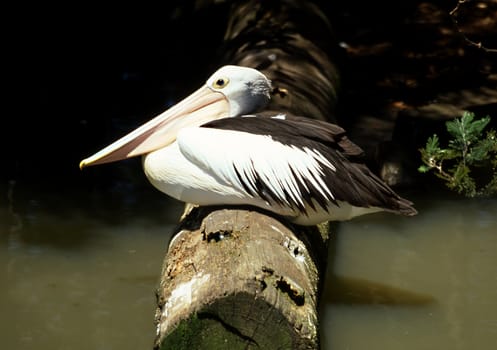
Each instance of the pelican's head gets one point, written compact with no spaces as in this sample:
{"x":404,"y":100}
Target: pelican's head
{"x":231,"y":91}
{"x":246,"y":89}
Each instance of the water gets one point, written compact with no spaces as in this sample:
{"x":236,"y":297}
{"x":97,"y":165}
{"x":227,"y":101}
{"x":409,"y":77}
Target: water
{"x":80,"y":273}
{"x":425,"y":283}
{"x":96,"y":298}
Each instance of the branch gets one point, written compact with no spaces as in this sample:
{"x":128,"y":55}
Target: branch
{"x":453,"y":17}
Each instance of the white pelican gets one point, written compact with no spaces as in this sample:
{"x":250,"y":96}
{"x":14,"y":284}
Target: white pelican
{"x":210,"y":149}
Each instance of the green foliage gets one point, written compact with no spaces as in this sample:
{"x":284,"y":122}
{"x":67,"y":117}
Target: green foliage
{"x":469,"y":164}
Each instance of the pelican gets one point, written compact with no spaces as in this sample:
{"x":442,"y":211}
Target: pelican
{"x":212,"y":148}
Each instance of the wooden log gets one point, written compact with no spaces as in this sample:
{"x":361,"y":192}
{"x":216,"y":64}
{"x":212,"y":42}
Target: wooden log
{"x":239,"y":278}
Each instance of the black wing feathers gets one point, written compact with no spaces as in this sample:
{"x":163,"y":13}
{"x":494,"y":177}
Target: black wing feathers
{"x":351,"y":181}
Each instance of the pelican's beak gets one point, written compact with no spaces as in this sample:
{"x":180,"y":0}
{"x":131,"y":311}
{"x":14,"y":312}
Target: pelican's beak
{"x":200,"y":107}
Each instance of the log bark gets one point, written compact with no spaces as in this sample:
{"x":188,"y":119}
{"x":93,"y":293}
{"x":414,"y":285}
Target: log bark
{"x":239,"y":278}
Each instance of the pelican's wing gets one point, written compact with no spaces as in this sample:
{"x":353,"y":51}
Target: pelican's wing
{"x":298,"y":130}
{"x":259,"y":165}
{"x":296,"y":161}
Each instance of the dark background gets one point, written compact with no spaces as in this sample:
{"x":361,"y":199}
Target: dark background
{"x":80,"y":77}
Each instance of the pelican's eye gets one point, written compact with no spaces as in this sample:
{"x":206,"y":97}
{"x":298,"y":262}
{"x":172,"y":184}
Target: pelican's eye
{"x":220,"y":83}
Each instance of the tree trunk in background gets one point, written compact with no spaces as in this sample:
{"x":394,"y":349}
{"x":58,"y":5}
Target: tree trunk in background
{"x":238,"y":278}
{"x":291,"y":43}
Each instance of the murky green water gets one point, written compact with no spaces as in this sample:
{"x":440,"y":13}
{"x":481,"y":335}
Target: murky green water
{"x":81,"y":274}
{"x":429,"y":282}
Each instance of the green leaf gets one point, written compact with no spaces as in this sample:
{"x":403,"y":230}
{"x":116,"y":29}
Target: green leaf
{"x":424,"y":168}
{"x":458,"y":126}
{"x":492,"y":140}
{"x":477,"y":126}
{"x":462,"y":182}
{"x":451,"y":154}
{"x":432,"y":145}
{"x":467,"y":150}
{"x":479,"y":152}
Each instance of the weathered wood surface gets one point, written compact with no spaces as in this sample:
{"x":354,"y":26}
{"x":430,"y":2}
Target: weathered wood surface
{"x":238,"y":278}
{"x":243,"y":280}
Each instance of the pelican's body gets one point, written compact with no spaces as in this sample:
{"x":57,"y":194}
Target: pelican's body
{"x":212,"y":150}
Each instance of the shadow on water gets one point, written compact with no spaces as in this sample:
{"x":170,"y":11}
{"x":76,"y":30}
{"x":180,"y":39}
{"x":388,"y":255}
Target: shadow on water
{"x":63,"y":216}
{"x":357,"y":291}
{"x":342,"y":289}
